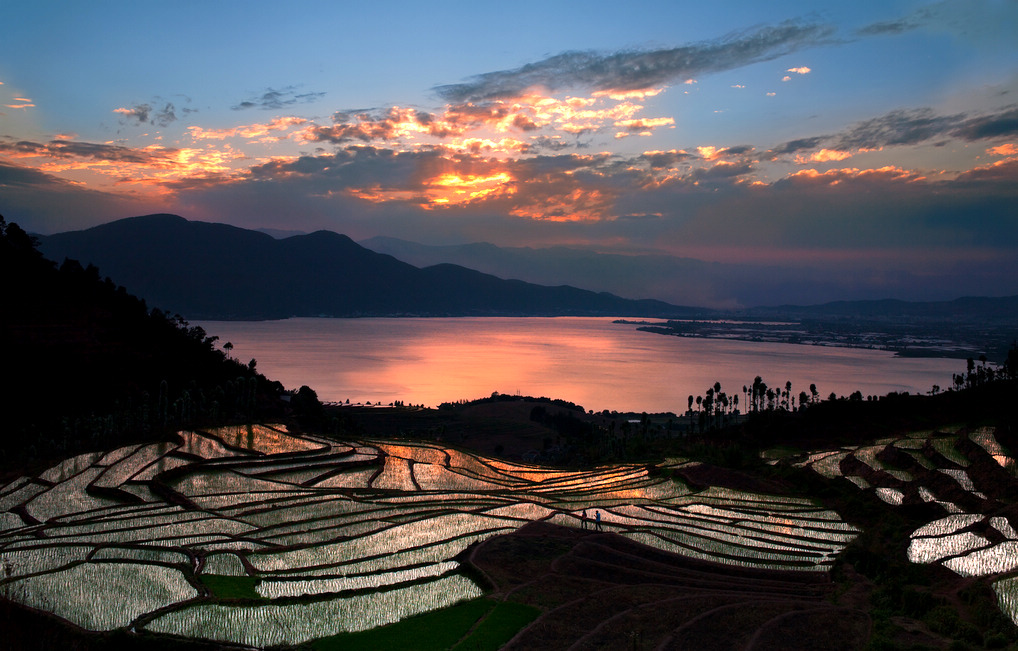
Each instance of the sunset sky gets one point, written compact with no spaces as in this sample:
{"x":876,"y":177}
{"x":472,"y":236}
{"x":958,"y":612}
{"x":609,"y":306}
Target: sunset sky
{"x":878,"y":139}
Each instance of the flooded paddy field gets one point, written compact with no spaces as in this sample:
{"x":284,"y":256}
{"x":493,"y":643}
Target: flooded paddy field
{"x":340,"y":536}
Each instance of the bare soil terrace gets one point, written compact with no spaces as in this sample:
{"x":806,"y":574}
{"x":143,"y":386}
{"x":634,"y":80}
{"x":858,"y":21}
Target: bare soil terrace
{"x":599,"y":590}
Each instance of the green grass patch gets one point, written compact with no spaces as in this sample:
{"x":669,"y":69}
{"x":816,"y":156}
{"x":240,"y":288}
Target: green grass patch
{"x":434,"y":631}
{"x":231,"y":587}
{"x":501,"y":624}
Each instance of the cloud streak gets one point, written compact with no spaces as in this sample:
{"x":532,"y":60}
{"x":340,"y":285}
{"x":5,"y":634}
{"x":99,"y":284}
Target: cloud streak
{"x":66,"y":149}
{"x":273,"y":99}
{"x":906,"y":128}
{"x":636,"y":70}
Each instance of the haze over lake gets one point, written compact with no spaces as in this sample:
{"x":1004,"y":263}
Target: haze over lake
{"x":589,"y":361}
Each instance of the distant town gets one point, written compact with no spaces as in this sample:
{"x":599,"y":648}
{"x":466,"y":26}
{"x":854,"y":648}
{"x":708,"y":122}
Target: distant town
{"x":905,"y":336}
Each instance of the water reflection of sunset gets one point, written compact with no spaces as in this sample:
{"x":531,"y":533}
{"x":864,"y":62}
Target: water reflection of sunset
{"x":589,"y":361}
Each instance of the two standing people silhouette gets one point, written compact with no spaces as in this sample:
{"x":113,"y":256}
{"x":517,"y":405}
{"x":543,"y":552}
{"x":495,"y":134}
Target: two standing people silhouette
{"x":597,"y":514}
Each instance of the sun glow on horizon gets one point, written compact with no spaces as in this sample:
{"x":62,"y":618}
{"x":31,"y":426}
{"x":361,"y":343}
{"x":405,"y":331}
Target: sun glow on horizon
{"x":451,"y":189}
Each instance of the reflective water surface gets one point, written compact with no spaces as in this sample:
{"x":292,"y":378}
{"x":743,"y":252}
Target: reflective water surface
{"x":589,"y":361}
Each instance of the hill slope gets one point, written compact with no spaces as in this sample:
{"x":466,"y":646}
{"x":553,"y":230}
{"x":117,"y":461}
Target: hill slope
{"x":88,"y":365}
{"x":216,"y":271}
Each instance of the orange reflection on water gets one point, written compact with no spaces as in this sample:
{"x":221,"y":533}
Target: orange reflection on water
{"x":589,"y":361}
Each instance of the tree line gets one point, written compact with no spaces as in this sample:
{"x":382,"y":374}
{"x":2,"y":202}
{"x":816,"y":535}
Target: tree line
{"x":716,"y":409}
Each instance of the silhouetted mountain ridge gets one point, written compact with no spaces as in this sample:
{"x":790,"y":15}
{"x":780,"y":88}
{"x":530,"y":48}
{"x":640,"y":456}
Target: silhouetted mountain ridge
{"x":216,"y":271}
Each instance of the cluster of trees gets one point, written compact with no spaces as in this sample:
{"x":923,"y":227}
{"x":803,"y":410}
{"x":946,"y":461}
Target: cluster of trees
{"x":505,"y":397}
{"x":716,"y":408}
{"x":984,"y":373}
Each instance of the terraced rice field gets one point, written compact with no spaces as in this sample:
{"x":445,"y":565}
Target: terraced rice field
{"x":338,"y":536}
{"x":969,"y":475}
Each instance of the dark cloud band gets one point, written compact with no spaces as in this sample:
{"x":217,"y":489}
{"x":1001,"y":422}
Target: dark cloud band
{"x":632,"y":70}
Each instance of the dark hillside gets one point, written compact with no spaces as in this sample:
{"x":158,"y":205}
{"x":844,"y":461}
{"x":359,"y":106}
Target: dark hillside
{"x":87,"y":365}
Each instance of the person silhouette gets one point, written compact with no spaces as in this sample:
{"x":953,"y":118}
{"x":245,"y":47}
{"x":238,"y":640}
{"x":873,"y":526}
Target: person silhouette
{"x":584,"y":518}
{"x":598,"y":514}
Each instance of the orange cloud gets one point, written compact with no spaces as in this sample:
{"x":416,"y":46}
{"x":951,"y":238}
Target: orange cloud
{"x":823,"y":156}
{"x":1000,"y":171}
{"x":106,"y":164}
{"x":452,"y":189}
{"x":579,"y":204}
{"x":566,"y":189}
{"x":1008,"y":149}
{"x":442,"y":191}
{"x":486,"y":145}
{"x":475,"y":127}
{"x":658,"y":159}
{"x":572,"y":118}
{"x":250,"y":131}
{"x":710,"y":152}
{"x":620,"y":95}
{"x":645,"y":123}
{"x":802,"y":70}
{"x":837,"y":176}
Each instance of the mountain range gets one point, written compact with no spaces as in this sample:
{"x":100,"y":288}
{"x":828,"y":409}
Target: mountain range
{"x":669,"y":278}
{"x":689,"y":281}
{"x":207,"y":270}
{"x":215,"y":271}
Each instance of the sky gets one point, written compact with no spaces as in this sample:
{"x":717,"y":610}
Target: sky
{"x":871,"y":142}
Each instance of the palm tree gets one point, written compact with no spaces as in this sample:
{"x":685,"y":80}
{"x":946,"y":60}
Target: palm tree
{"x":699,"y":401}
{"x":690,"y":410}
{"x":228,"y":347}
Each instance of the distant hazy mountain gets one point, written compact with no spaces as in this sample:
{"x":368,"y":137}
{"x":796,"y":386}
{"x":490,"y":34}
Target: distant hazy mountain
{"x":682,"y":280}
{"x":686,"y":281}
{"x":280,"y":234}
{"x":210,"y":271}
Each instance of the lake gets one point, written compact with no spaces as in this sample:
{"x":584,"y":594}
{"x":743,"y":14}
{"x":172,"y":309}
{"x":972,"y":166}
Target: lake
{"x":589,"y":361}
